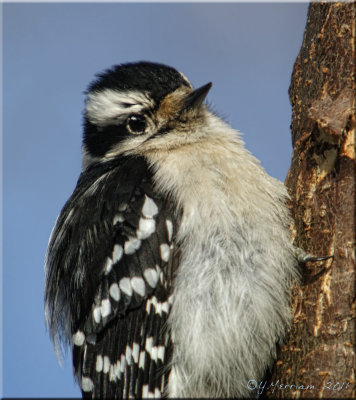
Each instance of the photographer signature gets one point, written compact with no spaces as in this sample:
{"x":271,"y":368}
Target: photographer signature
{"x":262,"y":386}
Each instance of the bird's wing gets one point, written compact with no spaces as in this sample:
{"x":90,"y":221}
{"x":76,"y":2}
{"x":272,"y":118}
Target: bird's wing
{"x":114,"y":243}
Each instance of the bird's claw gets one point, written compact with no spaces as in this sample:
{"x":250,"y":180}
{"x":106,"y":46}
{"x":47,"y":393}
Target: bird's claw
{"x":304,"y":257}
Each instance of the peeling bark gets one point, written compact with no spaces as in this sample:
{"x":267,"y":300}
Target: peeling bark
{"x":319,"y":350}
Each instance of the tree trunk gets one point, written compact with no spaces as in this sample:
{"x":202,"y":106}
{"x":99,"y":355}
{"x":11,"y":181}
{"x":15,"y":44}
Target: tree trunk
{"x":319,"y":350}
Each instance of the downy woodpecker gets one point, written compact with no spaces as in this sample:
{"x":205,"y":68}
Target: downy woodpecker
{"x":169,"y":268}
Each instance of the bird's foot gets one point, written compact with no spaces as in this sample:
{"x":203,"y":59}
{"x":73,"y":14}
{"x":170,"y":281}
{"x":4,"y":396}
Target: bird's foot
{"x":304,"y":257}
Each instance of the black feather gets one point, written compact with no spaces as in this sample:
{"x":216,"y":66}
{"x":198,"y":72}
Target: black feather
{"x":78,"y":280}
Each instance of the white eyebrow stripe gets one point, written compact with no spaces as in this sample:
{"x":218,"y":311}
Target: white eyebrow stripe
{"x":109,"y":105}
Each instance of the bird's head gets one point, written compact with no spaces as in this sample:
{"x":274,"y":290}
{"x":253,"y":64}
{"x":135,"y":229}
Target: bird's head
{"x":141,"y":107}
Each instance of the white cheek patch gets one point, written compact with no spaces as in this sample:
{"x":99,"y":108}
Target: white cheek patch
{"x":108,"y":106}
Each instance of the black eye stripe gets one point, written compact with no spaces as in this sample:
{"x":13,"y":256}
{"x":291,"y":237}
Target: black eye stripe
{"x":126,"y":105}
{"x":99,"y":142}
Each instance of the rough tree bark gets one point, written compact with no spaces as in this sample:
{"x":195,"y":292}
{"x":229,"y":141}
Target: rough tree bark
{"x":319,"y":350}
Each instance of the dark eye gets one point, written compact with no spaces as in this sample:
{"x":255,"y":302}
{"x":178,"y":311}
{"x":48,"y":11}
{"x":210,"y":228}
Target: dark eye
{"x":136,"y":124}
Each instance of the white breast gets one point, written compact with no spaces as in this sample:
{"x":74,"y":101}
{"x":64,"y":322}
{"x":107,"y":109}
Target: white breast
{"x":231,"y":294}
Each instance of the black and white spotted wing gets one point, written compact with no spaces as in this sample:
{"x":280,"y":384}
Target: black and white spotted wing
{"x":109,"y":273}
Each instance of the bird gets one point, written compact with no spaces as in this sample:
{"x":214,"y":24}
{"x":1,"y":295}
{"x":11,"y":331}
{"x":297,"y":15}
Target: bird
{"x":169,"y":268}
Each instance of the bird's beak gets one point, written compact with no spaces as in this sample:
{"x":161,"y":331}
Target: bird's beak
{"x":196,"y":98}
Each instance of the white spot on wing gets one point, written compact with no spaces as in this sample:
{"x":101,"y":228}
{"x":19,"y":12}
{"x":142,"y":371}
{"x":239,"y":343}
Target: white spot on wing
{"x":149,"y":395}
{"x":165,"y":307}
{"x":142,"y":359}
{"x":118,"y":218}
{"x":105,"y":308}
{"x":135,"y":352}
{"x":112,"y":373}
{"x":154,"y":352}
{"x":160,"y":353}
{"x":122,"y":363}
{"x":138,"y":285}
{"x":164,"y":251}
{"x":99,"y":363}
{"x":108,"y":265}
{"x":117,"y":253}
{"x":106,"y":365}
{"x":148,"y":307}
{"x":78,"y":338}
{"x":169,"y":227}
{"x":158,"y":306}
{"x":128,"y":355}
{"x":145,"y":228}
{"x":115,"y":291}
{"x":152,"y":301}
{"x":117,"y":369}
{"x":97,"y":314}
{"x":145,"y":391}
{"x":149,"y":208}
{"x":148,"y":344}
{"x":132,"y":245}
{"x":151,"y":276}
{"x":87,"y":384}
{"x":125,"y":286}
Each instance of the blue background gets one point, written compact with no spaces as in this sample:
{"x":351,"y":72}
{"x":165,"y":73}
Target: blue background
{"x":50,"y":54}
